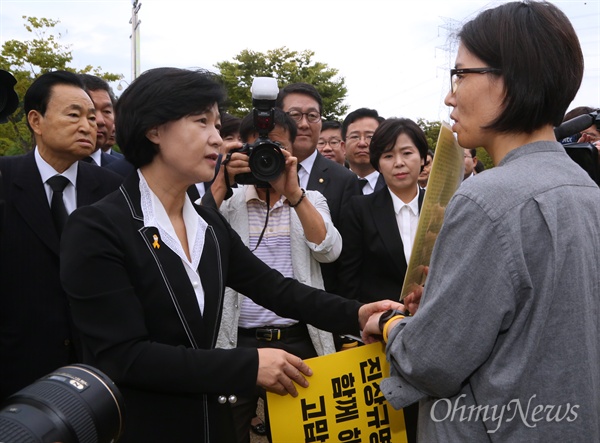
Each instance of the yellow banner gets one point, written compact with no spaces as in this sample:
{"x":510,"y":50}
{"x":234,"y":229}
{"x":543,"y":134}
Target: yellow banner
{"x":342,"y":404}
{"x":444,"y":179}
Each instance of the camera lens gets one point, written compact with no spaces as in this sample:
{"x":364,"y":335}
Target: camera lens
{"x":75,"y":403}
{"x":266,"y":161}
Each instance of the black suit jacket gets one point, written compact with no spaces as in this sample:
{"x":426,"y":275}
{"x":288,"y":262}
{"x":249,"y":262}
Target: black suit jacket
{"x":107,"y":159}
{"x":116,"y":154}
{"x":121,"y":166}
{"x":372,"y":262}
{"x":380,"y":184}
{"x":338,"y":184}
{"x":144,"y":329}
{"x":335,"y":182}
{"x":35,"y":332}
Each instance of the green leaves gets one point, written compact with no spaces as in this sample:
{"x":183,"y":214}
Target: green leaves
{"x":26,"y":60}
{"x":287,"y":67}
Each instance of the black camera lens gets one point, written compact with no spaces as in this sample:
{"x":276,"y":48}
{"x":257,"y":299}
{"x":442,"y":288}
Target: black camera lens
{"x":74,"y":404}
{"x":266,"y":161}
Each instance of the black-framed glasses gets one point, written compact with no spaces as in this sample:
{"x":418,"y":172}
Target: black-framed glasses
{"x":311,"y":116}
{"x":355,"y":138}
{"x":334,"y":143}
{"x":456,"y":75}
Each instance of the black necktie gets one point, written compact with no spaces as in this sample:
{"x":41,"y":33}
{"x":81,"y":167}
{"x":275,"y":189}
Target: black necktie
{"x":57,"y":205}
{"x":362,"y":182}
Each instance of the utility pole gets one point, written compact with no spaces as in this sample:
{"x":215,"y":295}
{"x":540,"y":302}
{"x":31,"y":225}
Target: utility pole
{"x":135,"y":39}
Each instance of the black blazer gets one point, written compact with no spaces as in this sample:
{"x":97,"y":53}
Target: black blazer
{"x":142,"y":326}
{"x":337,"y":184}
{"x":35,"y":332}
{"x":107,"y":159}
{"x":372,"y":263}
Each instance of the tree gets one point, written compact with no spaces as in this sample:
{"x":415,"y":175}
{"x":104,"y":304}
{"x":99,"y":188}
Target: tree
{"x":431,"y":130}
{"x":26,"y":60}
{"x":287,"y":67}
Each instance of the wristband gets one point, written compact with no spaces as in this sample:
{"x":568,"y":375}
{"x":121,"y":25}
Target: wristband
{"x":386,"y":327}
{"x":300,"y":200}
{"x":389,"y":314}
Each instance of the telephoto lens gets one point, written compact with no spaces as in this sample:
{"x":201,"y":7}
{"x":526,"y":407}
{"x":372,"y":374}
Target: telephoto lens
{"x":73,"y":404}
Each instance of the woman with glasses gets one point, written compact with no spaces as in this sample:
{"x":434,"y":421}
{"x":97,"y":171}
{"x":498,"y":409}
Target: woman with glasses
{"x":504,"y":344}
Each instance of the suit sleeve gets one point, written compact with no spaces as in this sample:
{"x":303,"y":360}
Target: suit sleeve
{"x":351,"y":258}
{"x":286,"y":297}
{"x":97,"y":274}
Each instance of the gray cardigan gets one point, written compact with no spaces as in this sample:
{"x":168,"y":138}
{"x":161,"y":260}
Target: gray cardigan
{"x":306,"y":257}
{"x":506,"y":343}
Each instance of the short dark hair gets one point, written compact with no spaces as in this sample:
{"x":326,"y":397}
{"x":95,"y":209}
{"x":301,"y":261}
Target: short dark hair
{"x":38,"y":95}
{"x":159,"y":96}
{"x":473,"y":152}
{"x":300,"y":88}
{"x":331,"y":124}
{"x":388,"y":131}
{"x":541,"y":62}
{"x":230,"y":124}
{"x":95,"y":83}
{"x":357,"y":115}
{"x":430,"y":153}
{"x":280,"y":119}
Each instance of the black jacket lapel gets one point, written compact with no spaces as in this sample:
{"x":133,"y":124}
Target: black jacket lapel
{"x":385,"y":219}
{"x":30,"y":201}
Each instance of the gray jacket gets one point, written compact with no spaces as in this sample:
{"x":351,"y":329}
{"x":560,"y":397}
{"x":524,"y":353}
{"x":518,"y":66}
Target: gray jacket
{"x":505,"y":346}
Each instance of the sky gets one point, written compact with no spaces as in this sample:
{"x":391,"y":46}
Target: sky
{"x":394,"y":55}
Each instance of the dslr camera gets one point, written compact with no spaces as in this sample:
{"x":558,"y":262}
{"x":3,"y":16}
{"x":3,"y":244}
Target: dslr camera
{"x":265,"y":158}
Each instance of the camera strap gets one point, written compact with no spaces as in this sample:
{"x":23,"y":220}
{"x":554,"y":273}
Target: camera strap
{"x":260,"y":237}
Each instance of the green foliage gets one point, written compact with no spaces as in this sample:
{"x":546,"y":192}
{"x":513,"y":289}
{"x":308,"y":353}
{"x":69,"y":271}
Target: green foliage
{"x":287,"y":67}
{"x":431,"y":130}
{"x":484,"y":157}
{"x":26,"y":60}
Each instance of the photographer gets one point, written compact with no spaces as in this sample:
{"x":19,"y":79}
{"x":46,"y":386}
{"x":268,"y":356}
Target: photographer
{"x":299,"y":235}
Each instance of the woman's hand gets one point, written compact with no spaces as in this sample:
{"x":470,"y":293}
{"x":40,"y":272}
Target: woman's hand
{"x":278,"y":370}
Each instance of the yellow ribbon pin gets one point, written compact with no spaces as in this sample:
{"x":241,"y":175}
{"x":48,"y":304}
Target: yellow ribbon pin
{"x":155,"y":245}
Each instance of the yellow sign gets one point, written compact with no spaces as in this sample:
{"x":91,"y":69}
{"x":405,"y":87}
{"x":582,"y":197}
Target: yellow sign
{"x":444,"y":179}
{"x":342,"y":404}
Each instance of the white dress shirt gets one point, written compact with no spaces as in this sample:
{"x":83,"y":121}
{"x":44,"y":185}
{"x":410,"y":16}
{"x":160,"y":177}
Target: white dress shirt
{"x":407,"y":217}
{"x":47,"y":171}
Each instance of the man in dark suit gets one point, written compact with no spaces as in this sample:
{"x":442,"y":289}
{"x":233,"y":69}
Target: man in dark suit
{"x":304,"y":104}
{"x":35,"y":330}
{"x":101,"y":95}
{"x":357,"y":130}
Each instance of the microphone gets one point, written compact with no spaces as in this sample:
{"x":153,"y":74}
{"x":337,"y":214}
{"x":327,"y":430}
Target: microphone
{"x":575,"y":125}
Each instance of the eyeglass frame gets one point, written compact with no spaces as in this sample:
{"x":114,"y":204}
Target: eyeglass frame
{"x":322,"y":142}
{"x":455,"y":71}
{"x":355,"y":138}
{"x":302,"y":114}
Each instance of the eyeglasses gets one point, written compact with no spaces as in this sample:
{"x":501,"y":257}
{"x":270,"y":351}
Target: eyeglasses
{"x":354,"y":138}
{"x":467,"y":156}
{"x":311,"y":116}
{"x":456,"y":75}
{"x":334,"y":143}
